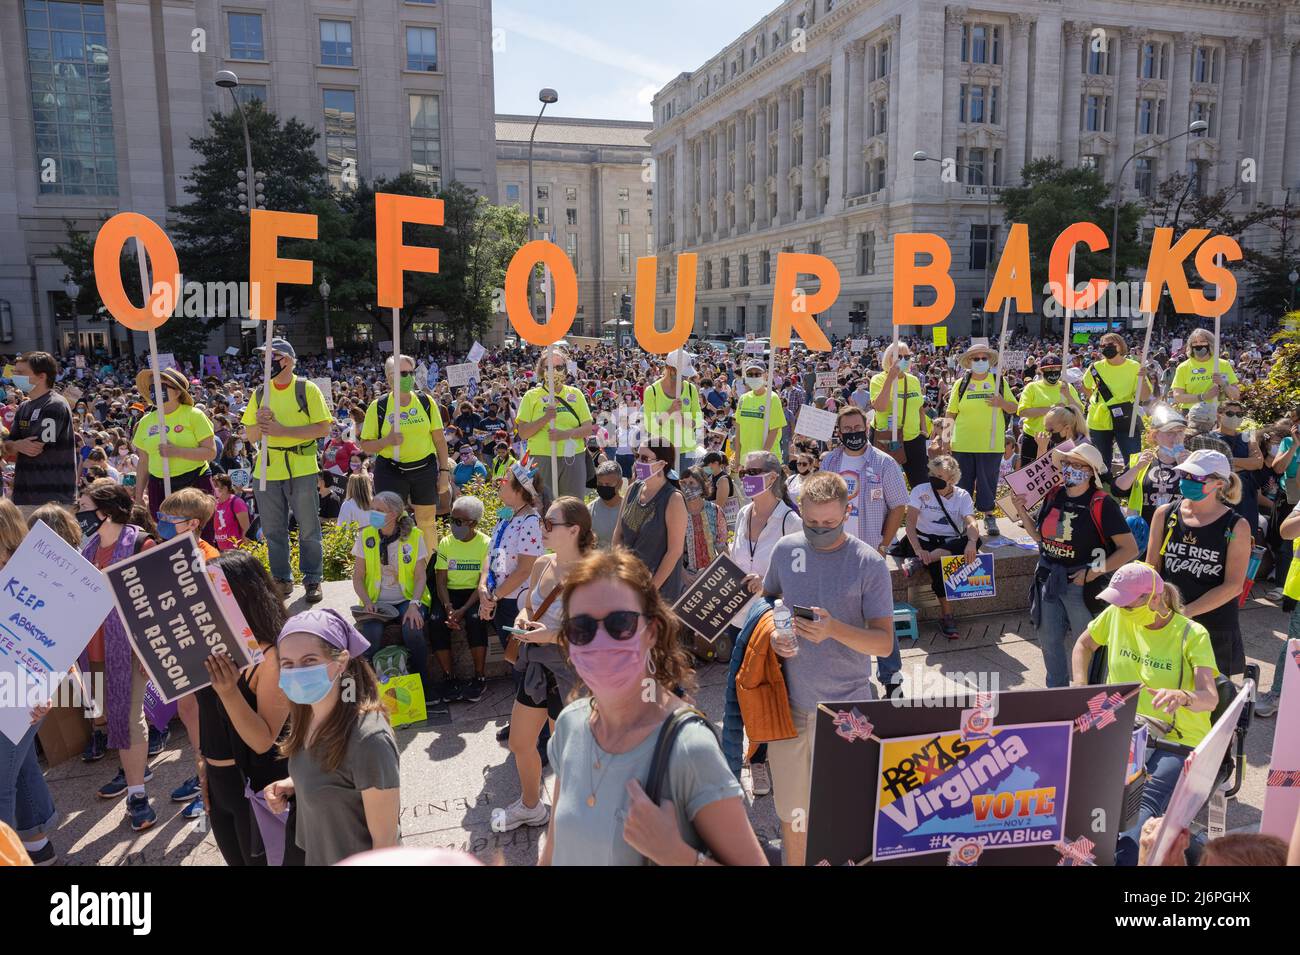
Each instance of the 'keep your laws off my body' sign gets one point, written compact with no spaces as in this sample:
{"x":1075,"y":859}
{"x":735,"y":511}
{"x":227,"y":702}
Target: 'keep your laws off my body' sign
{"x":174,"y":616}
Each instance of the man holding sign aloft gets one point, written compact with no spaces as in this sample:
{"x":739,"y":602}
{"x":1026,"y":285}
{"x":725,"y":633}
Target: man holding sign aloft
{"x":292,"y":415}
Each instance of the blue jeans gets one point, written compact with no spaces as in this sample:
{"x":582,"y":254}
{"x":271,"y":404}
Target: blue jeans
{"x":25,"y":803}
{"x":413,"y":638}
{"x":1164,"y":769}
{"x":1064,"y":618}
{"x":888,"y":667}
{"x":273,"y":506}
{"x":1105,"y":441}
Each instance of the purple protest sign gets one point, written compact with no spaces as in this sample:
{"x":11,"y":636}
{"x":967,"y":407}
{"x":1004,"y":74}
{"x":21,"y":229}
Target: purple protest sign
{"x":158,"y":712}
{"x":1032,"y":482}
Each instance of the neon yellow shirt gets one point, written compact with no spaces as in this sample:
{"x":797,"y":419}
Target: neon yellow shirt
{"x":418,"y":428}
{"x":749,"y":421}
{"x":295,"y":457}
{"x":1195,"y":376}
{"x":909,"y":406}
{"x":187,"y":427}
{"x":1040,"y":394}
{"x":462,"y":560}
{"x":1122,"y":380}
{"x":682,"y":426}
{"x":977,"y":419}
{"x":1150,"y":657}
{"x":533,"y":406}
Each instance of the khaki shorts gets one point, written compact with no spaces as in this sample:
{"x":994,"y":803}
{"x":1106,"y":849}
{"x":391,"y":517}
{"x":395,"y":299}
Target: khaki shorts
{"x":790,"y":761}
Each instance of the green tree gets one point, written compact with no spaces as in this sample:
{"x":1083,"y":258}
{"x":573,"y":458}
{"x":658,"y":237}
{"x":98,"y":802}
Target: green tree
{"x":1055,"y":196}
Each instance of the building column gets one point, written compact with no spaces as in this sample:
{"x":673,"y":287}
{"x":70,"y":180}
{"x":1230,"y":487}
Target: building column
{"x":1180,"y":103}
{"x":1291,"y":162}
{"x":1230,"y":115}
{"x":1126,"y":66}
{"x":1045,"y":97}
{"x":720,"y":201}
{"x":856,"y":97}
{"x":954,"y":18}
{"x":785,"y":133}
{"x":842,"y":105}
{"x":891,"y":105}
{"x":760,"y":165}
{"x":1279,"y":87}
{"x":702,"y":172}
{"x":1018,"y":112}
{"x":1076,"y":32}
{"x":742,"y":169}
{"x":809,"y":158}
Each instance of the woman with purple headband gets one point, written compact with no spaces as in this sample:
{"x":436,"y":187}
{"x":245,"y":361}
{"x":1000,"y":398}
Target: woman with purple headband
{"x":343,"y":760}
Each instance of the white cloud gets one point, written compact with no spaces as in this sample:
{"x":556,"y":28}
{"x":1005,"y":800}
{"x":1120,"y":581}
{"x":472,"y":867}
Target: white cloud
{"x":580,"y":44}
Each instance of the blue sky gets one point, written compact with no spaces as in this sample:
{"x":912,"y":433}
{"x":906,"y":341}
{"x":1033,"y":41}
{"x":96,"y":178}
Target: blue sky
{"x":606,"y":58}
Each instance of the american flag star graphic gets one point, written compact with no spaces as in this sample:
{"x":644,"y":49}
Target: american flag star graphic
{"x":852,"y":725}
{"x":1101,"y":712}
{"x":1283,"y":778}
{"x":1078,"y":852}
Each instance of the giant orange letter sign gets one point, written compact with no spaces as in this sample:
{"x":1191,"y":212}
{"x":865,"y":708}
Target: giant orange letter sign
{"x":108,"y":271}
{"x":266,"y":270}
{"x":908,"y":275}
{"x":1165,"y":267}
{"x":643,"y":319}
{"x":1012,"y":277}
{"x":1090,"y":234}
{"x":785,"y":316}
{"x":392,"y":257}
{"x":565,"y":305}
{"x":1223,"y":279}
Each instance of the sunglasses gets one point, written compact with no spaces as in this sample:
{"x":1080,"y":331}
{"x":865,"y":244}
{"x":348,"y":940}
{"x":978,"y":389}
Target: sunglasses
{"x":580,"y":630}
{"x":752,"y":472}
{"x":549,"y":525}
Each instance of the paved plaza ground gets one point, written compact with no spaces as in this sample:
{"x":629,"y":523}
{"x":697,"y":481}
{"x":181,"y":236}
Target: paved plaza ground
{"x":454,"y":772}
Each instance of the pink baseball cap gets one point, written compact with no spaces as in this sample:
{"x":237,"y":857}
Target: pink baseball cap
{"x":1131,"y":583}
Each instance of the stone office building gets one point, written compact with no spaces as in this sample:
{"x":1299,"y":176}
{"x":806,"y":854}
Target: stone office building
{"x":800,"y":134}
{"x":98,"y":102}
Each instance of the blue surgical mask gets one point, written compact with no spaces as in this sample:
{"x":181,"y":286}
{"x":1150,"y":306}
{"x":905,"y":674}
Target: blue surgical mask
{"x":1176,"y":450}
{"x":904,"y":364}
{"x":979,"y":366}
{"x":1192,"y":490}
{"x":166,"y":530}
{"x":378,"y":519}
{"x":306,"y":684}
{"x":22,"y":383}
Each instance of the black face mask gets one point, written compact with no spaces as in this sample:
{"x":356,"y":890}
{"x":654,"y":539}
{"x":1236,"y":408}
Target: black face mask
{"x":277,"y":366}
{"x":1200,"y":351}
{"x":938,"y":483}
{"x":606,"y":493}
{"x":1051,"y":377}
{"x":1110,"y":351}
{"x":89,"y":521}
{"x":854,"y":440}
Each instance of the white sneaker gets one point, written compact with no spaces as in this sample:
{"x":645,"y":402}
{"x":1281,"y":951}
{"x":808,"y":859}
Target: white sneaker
{"x":760,"y":779}
{"x":517,"y":814}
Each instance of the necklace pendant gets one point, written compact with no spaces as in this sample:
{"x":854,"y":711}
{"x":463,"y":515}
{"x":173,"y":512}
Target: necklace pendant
{"x":591,"y":800}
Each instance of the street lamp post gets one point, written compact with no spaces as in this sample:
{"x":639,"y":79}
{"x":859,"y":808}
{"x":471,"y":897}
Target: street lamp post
{"x":1293,"y":278}
{"x":546,"y":96}
{"x":252,"y":183}
{"x":329,"y":339}
{"x":922,"y":156}
{"x":73,"y":291}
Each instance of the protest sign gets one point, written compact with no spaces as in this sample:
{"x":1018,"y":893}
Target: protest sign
{"x":81,"y":361}
{"x":476,"y":354}
{"x":52,"y":600}
{"x":234,"y":616}
{"x":241,"y":478}
{"x":813,"y":422}
{"x":907,"y":785}
{"x":72,"y":394}
{"x":232,"y":350}
{"x":1196,"y":781}
{"x":167,"y":360}
{"x":1079,"y":338}
{"x":755,"y":348}
{"x":212,"y":365}
{"x":963,"y":581}
{"x":1032,"y":482}
{"x":572,"y":368}
{"x":1014,"y":360}
{"x":421,"y":376}
{"x":1175,"y":346}
{"x":158,"y":713}
{"x":1007,"y":790}
{"x":326,"y":386}
{"x":717,"y":595}
{"x":173,"y":617}
{"x":858,"y":344}
{"x":940,"y":336}
{"x":1282,"y":795}
{"x":826,"y":380}
{"x":386,"y":346}
{"x":458,"y":376}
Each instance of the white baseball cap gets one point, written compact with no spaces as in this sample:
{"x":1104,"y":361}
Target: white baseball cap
{"x":1206,"y":463}
{"x":683,"y":361}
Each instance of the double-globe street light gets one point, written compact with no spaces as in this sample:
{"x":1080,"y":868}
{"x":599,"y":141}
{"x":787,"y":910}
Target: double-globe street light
{"x":922,"y":156}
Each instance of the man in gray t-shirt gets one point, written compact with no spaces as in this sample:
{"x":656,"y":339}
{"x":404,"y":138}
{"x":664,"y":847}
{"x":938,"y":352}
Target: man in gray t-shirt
{"x":846,"y":583}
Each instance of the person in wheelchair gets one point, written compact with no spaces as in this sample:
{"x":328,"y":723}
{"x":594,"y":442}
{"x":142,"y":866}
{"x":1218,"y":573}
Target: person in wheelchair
{"x":1148,"y":640}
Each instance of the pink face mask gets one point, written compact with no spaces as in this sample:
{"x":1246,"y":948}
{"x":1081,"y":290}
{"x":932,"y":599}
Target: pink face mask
{"x":610,"y":667}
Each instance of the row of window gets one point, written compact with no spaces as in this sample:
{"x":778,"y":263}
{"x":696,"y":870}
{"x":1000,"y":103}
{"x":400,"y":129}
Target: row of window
{"x":247,"y":41}
{"x":1153,"y":61}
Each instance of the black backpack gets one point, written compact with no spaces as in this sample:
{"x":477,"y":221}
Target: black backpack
{"x":299,"y":394}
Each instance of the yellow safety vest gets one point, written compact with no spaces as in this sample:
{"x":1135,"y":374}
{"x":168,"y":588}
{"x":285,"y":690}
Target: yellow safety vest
{"x":408,"y":555}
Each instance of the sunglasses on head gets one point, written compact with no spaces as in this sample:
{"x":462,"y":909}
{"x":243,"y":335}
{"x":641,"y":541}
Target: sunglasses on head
{"x":581,"y":629}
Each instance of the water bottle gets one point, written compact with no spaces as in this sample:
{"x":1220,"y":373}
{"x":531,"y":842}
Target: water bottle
{"x":784,"y":640}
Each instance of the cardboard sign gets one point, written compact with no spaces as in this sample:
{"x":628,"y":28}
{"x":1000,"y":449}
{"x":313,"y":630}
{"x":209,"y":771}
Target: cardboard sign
{"x":940,"y":336}
{"x":241,"y":478}
{"x":860,"y":344}
{"x":815,"y":423}
{"x":1282,"y":797}
{"x":1009,"y":789}
{"x":232,"y":350}
{"x":81,"y":361}
{"x":421,"y":376}
{"x":826,"y":380}
{"x":52,"y":600}
{"x":1175,"y":346}
{"x":458,"y":376}
{"x":1014,"y":360}
{"x":476,"y":354}
{"x":1032,"y":482}
{"x":212,"y":365}
{"x":717,"y":595}
{"x":165,"y":360}
{"x":1196,"y":781}
{"x":942,"y":785}
{"x":326,"y":386}
{"x":963,"y":581}
{"x":173,"y":616}
{"x":571,"y":367}
{"x":755,"y":348}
